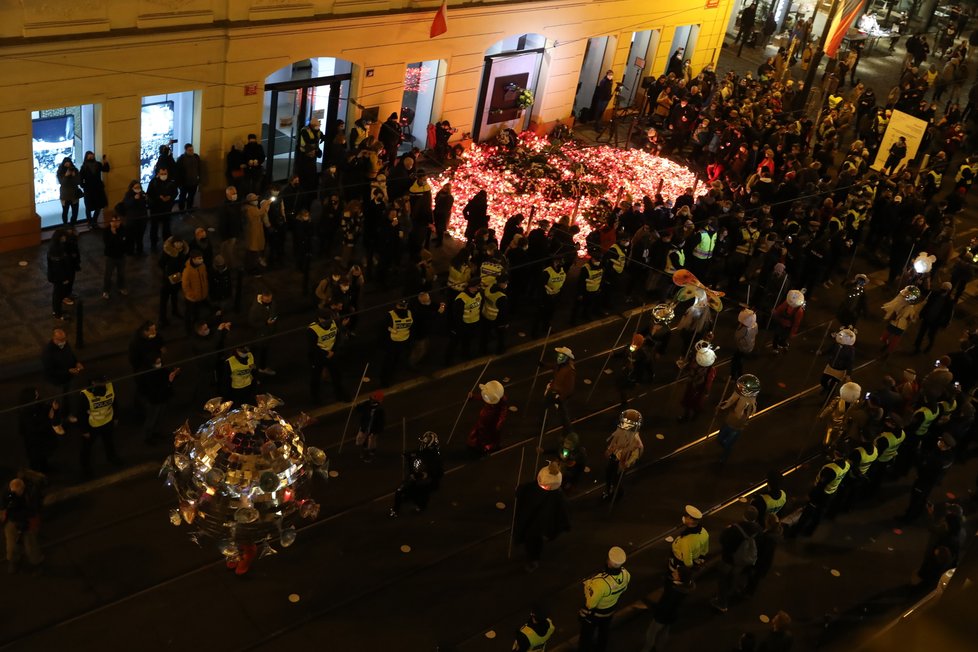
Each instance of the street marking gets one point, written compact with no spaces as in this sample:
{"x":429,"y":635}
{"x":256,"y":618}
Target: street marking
{"x":491,"y":634}
{"x":764,"y":618}
{"x":500,"y":505}
{"x":334,"y":474}
{"x":659,"y":435}
{"x":835,"y":573}
{"x":405,"y":548}
{"x":294,"y":597}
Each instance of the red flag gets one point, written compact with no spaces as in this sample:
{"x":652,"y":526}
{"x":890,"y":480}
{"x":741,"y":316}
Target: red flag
{"x":844,"y":18}
{"x":439,"y":25}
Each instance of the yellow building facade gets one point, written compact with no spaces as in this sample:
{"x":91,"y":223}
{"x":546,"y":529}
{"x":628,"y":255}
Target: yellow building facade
{"x":87,"y":73}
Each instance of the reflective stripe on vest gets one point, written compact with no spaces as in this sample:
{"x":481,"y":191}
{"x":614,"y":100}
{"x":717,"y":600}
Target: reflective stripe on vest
{"x":618,"y":258}
{"x":593,"y":281}
{"x":490,"y":304}
{"x":470,"y":307}
{"x":892,"y":445}
{"x":100,"y":411}
{"x":457,"y":278}
{"x":490,"y":271}
{"x":400,"y":328}
{"x":671,"y":266}
{"x":748,"y":240}
{"x":840,"y":473}
{"x":537,"y":643}
{"x":610,"y":587}
{"x":704,"y":250}
{"x":325,"y":337}
{"x":960,"y":175}
{"x":241,"y":371}
{"x":555,"y":280}
{"x":772,"y":505}
{"x":866,"y":459}
{"x":929,"y":416}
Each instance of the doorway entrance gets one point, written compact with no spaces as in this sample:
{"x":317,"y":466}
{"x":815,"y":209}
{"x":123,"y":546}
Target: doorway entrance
{"x":595,"y":58}
{"x":291,"y":103}
{"x":641,"y":51}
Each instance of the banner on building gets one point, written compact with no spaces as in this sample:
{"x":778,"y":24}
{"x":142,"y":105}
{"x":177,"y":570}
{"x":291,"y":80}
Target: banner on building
{"x":901,"y":124}
{"x":844,"y":18}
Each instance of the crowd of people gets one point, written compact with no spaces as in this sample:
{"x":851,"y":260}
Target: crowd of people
{"x":789,"y":203}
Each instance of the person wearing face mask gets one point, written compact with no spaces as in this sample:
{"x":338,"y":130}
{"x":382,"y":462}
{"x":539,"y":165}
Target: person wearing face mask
{"x":601,"y":97}
{"x":238,"y":382}
{"x":172,"y":262}
{"x":205,"y":343}
{"x":154,"y":389}
{"x":256,"y":221}
{"x":93,"y":186}
{"x":145,"y":346}
{"x":100,"y":399}
{"x":262,"y":319}
{"x":161,"y":194}
{"x":302,"y":235}
{"x":115,"y":244}
{"x":195,"y":289}
{"x":201,"y":244}
{"x":306,"y":153}
{"x":188,"y":174}
{"x":230,"y":223}
{"x":253,"y":155}
{"x":321,"y":339}
{"x":133,"y":207}
{"x":61,"y":366}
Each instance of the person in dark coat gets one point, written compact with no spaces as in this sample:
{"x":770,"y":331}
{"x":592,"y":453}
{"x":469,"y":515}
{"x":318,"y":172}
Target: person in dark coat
{"x":678,"y":585}
{"x":39,"y":423}
{"x":93,"y":186}
{"x":476,"y":214}
{"x":61,"y":273}
{"x":145,"y":346}
{"x":423,"y":471}
{"x":154,"y":388}
{"x":390,"y":136}
{"x":541,"y":512}
{"x":934,"y":316}
{"x":442,"y":212}
{"x":134,"y":208}
{"x":675,"y":66}
{"x":767,"y":544}
{"x":602,"y":96}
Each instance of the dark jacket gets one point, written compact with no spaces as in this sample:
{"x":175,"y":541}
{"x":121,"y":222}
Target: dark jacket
{"x":731,"y":538}
{"x":114,"y":243}
{"x":57,"y":362}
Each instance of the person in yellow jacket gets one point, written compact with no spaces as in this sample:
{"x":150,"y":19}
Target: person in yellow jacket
{"x":690,"y":547}
{"x":100,"y":406}
{"x":397,"y":340}
{"x":533,"y":636}
{"x":602,"y":595}
{"x":238,"y":376}
{"x":464,"y":322}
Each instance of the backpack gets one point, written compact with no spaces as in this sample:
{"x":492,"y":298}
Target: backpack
{"x":746,"y":553}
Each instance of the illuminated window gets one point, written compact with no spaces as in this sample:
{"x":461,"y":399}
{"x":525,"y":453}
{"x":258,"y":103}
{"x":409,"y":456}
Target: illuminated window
{"x":57,"y":134}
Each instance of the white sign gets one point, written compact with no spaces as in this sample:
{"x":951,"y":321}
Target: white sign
{"x":901,"y":124}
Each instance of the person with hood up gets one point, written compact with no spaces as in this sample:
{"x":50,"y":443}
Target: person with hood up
{"x":541,"y":512}
{"x":485,"y":435}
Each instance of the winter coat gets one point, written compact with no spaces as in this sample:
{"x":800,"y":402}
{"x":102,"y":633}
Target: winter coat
{"x":256,"y":219}
{"x":195,"y":282}
{"x":172,"y":260}
{"x":539,"y":513}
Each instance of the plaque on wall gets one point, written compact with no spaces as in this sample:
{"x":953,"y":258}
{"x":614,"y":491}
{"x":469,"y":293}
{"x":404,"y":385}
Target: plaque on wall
{"x":503,"y":97}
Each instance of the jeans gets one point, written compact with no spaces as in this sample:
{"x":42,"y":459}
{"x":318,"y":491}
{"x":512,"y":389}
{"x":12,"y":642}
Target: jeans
{"x":117,"y":265}
{"x":187,"y":196}
{"x":64,"y":211}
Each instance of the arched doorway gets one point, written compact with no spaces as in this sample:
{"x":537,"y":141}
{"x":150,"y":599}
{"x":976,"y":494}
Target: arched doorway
{"x":514,"y":64}
{"x":313,"y":88}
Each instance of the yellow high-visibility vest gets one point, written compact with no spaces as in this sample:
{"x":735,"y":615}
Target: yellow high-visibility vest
{"x":840,"y":473}
{"x":100,"y":408}
{"x":555,"y":280}
{"x":704,"y":248}
{"x":773,"y":505}
{"x":490,"y":271}
{"x":241,"y":371}
{"x":602,"y":591}
{"x":617,"y":258}
{"x":671,"y":266}
{"x":929,"y":417}
{"x":538,"y":643}
{"x":400,"y":328}
{"x":593,"y":281}
{"x":490,"y":304}
{"x":748,"y":240}
{"x":892,"y":445}
{"x":458,"y":277}
{"x":325,"y":337}
{"x":471,"y":306}
{"x":866,"y":458}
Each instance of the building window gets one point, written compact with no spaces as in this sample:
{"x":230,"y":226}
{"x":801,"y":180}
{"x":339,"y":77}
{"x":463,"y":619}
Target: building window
{"x":167,"y":120}
{"x":57,"y":134}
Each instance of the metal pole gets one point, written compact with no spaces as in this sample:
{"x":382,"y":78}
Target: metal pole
{"x":536,"y":372}
{"x":815,"y":357}
{"x":723,"y":397}
{"x":543,"y":427}
{"x":519,"y":479}
{"x":777,"y":300}
{"x":353,"y":406}
{"x":611,"y":352}
{"x":466,"y":401}
{"x":817,"y":54}
{"x":614,"y":496}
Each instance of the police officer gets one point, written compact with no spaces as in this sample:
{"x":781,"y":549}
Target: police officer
{"x":321,"y":339}
{"x":772,"y":498}
{"x":704,"y":242}
{"x":238,"y":376}
{"x":856,"y":486}
{"x":624,"y":448}
{"x":602,"y":593}
{"x":966,"y":174}
{"x":464,"y":320}
{"x":888,"y":446}
{"x":493,"y":266}
{"x":931,"y":468}
{"x":533,"y":636}
{"x":615,"y":260}
{"x":553,"y":279}
{"x":827,"y":484}
{"x":495,"y":314}
{"x":398,"y":340}
{"x":690,"y":547}
{"x":306,"y":152}
{"x":100,"y":398}
{"x":588,"y":289}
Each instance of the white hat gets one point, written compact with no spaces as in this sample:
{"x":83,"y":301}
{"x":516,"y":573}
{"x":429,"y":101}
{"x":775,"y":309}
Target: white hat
{"x":616,"y":557}
{"x":796,"y":298}
{"x":565,"y":351}
{"x":549,"y":477}
{"x":850,"y":392}
{"x":492,"y":392}
{"x":747,"y":318}
{"x":693,"y":513}
{"x":846,"y":337}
